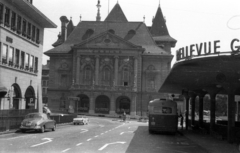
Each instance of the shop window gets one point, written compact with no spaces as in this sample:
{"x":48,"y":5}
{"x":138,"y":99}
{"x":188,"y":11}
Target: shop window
{"x":22,"y":60}
{"x":29,"y":29}
{"x":24,"y":28}
{"x":33,"y":33}
{"x":16,"y":58}
{"x":1,"y":13}
{"x":7,"y":17}
{"x":13,"y":21}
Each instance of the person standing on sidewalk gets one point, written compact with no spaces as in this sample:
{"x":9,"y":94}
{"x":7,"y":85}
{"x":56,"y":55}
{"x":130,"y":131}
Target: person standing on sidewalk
{"x":181,"y":120}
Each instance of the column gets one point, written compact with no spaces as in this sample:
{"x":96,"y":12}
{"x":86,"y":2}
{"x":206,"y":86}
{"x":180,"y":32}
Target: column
{"x":201,"y":96}
{"x":92,"y":105}
{"x":78,"y":70}
{"x":193,"y":97}
{"x":112,"y":105}
{"x":212,"y":110}
{"x":133,"y":105}
{"x":135,"y":73}
{"x":96,"y":70}
{"x":116,"y":71}
{"x":231,"y":115}
{"x":186,"y":96}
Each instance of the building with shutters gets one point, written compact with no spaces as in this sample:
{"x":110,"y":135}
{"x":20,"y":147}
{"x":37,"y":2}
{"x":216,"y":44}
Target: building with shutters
{"x":21,"y":45}
{"x":112,"y":66}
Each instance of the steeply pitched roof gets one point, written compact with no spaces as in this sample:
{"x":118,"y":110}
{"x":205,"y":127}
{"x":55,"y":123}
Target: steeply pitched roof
{"x":141,"y":38}
{"x":70,"y":27}
{"x":159,"y":27}
{"x":116,"y":15}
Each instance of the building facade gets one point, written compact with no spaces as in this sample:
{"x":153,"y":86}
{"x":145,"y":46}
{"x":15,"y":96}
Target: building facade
{"x":45,"y":78}
{"x":107,"y":67}
{"x":21,"y":45}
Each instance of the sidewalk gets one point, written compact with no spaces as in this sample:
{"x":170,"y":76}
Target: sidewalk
{"x":211,"y":144}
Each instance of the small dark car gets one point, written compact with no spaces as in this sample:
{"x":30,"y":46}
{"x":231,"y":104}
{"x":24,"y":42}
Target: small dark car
{"x":37,"y":122}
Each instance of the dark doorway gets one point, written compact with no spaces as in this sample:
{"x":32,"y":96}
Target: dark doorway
{"x":123,"y":104}
{"x":83,"y":104}
{"x":102,"y":104}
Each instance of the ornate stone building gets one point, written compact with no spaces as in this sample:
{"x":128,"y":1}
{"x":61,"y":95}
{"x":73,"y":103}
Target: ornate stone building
{"x":111,"y":65}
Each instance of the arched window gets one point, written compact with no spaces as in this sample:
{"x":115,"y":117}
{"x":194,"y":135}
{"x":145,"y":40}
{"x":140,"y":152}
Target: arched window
{"x":106,"y":75}
{"x":88,"y":75}
{"x":125,"y":76}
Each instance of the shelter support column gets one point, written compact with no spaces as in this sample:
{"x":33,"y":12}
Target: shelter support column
{"x":212,"y":110}
{"x":201,"y":96}
{"x":185,"y":94}
{"x":193,"y":97}
{"x":231,"y":114}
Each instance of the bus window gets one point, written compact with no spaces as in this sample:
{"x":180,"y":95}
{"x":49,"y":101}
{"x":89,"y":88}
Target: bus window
{"x":167,"y":110}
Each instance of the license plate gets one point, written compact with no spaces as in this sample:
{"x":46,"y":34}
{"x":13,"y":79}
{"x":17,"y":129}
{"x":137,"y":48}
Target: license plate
{"x":28,"y":124}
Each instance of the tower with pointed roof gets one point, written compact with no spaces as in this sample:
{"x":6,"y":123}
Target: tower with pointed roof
{"x":111,"y":65}
{"x":160,"y":32}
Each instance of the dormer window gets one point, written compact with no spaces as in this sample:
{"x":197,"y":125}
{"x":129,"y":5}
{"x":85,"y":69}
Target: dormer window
{"x":87,"y":34}
{"x":130,"y":34}
{"x":111,"y":31}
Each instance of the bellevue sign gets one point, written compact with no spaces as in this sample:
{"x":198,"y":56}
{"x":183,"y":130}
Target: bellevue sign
{"x":203,"y":49}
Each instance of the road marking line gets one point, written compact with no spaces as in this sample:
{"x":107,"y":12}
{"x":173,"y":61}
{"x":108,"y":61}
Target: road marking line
{"x":79,"y":144}
{"x":89,"y":139}
{"x":129,"y":127}
{"x":84,"y":130}
{"x":48,"y":140}
{"x":66,"y":149}
{"x":96,"y":136}
{"x":125,"y":132}
{"x":21,"y":137}
{"x":102,"y":133}
{"x":109,"y":144}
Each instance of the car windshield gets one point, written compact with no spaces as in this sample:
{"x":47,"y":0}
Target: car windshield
{"x":33,"y":116}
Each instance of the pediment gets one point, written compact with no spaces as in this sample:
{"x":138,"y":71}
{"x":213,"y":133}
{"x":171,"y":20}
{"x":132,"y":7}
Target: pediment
{"x":107,"y":40}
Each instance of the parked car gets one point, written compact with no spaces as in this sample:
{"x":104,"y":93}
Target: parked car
{"x":38,"y":122}
{"x":80,"y":120}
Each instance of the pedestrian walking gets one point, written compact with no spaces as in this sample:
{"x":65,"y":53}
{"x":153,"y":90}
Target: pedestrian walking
{"x":181,"y":121}
{"x":124,"y":116}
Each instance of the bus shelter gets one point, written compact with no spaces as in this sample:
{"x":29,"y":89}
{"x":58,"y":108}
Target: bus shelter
{"x":219,"y":74}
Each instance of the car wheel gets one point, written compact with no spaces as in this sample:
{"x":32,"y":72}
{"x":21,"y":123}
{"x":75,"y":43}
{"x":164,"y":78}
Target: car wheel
{"x":42,"y":129}
{"x":23,"y":131}
{"x":54,"y":127}
{"x":74,"y":123}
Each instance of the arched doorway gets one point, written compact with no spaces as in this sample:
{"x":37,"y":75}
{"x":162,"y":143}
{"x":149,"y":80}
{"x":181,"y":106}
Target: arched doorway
{"x":123,"y":104}
{"x":16,"y":96}
{"x":102,"y":104}
{"x":83,"y":104}
{"x":30,"y":98}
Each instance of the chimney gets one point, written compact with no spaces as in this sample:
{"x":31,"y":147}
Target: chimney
{"x":64,"y":21}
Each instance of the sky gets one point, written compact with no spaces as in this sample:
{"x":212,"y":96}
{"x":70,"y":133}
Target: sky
{"x":188,"y":21}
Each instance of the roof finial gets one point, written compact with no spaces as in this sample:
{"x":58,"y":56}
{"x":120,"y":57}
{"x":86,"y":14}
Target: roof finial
{"x":70,"y":18}
{"x":144,"y":19}
{"x":80,"y":17}
{"x":159,"y":3}
{"x":98,"y":18}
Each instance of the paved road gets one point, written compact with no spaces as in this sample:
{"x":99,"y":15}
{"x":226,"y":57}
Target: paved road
{"x":100,"y":135}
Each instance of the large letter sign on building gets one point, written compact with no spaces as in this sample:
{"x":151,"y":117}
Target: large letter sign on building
{"x":203,"y":49}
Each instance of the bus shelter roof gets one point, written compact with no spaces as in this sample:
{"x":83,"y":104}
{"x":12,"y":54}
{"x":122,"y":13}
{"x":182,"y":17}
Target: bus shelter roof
{"x":201,"y":74}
